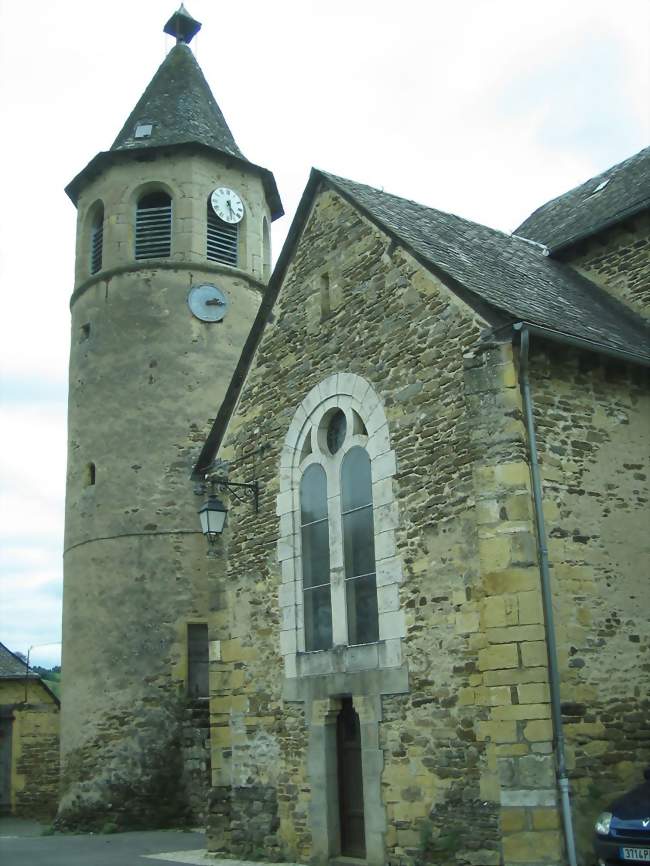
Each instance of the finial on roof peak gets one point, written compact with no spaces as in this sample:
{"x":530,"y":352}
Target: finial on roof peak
{"x":182,"y":26}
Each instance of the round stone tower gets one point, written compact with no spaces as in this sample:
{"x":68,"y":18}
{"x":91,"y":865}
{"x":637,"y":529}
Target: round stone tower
{"x":171,"y":262}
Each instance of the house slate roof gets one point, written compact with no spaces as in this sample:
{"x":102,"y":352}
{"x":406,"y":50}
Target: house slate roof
{"x":11,"y":666}
{"x":505,"y":278}
{"x":615,"y":195}
{"x":183,"y":112}
{"x":180,"y":106}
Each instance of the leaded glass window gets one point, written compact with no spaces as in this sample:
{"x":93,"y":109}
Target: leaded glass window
{"x":359,"y":547}
{"x":337,"y":535}
{"x":314,"y":532}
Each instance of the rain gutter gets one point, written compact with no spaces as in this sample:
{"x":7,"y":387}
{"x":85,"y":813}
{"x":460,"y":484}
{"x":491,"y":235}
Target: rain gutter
{"x":547,"y":599}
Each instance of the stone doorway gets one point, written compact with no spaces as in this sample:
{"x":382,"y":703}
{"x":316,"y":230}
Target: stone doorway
{"x":350,"y":781}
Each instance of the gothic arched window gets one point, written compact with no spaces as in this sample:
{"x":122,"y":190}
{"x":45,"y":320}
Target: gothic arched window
{"x":337,"y":546}
{"x":339,"y":599}
{"x":153,"y":226}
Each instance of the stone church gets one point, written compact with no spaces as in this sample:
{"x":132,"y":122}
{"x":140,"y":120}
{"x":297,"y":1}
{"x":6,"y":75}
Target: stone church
{"x":422,"y":632}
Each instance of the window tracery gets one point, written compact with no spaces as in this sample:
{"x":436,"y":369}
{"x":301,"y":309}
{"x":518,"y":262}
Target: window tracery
{"x":337,"y":542}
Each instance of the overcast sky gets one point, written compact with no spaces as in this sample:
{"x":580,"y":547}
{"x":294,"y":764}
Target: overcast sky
{"x":485,"y":108}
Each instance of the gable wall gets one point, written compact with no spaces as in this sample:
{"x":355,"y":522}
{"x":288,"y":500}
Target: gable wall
{"x":593,"y":427}
{"x":619,"y":261}
{"x":34,"y":783}
{"x":407,"y":335}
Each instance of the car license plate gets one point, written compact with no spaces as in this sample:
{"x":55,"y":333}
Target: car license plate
{"x":641,"y":855}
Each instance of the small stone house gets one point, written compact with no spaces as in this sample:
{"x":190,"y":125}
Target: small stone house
{"x":29,"y":741}
{"x":437,"y":620}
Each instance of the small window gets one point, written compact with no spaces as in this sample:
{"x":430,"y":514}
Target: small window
{"x":97,"y":240}
{"x":90,"y":475}
{"x":222,"y":240}
{"x":325,"y":300}
{"x":266,"y":250}
{"x":143,"y":130}
{"x":336,"y":430}
{"x":153,"y":226}
{"x":84,"y":332}
{"x":198,"y":685}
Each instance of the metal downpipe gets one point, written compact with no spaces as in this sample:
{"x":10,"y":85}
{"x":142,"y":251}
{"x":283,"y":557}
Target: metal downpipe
{"x":547,"y":600}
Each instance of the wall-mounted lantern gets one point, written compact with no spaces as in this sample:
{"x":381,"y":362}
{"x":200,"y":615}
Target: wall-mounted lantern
{"x":213,"y":512}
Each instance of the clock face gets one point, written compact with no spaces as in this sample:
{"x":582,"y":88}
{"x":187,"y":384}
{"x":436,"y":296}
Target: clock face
{"x":207,"y":302}
{"x":227,"y":205}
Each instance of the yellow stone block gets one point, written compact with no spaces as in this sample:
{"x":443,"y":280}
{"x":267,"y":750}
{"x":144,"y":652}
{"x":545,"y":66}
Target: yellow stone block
{"x":533,"y":693}
{"x":231,"y":703}
{"x":466,"y":697}
{"x":493,"y":611}
{"x":498,"y":656}
{"x":512,"y":474}
{"x":518,"y":633}
{"x":489,"y":788}
{"x":510,"y":580}
{"x":539,"y":731}
{"x":533,"y":654}
{"x":546,"y":819}
{"x":513,"y":750}
{"x":515,"y":676}
{"x":233,"y":651}
{"x":522,"y":712}
{"x":530,"y":607}
{"x":220,"y":737}
{"x":499,"y":696}
{"x":495,"y":553}
{"x":513,"y":820}
{"x":533,"y":847}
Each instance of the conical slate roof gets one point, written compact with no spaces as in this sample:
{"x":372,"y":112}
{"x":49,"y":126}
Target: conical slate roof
{"x":180,"y":107}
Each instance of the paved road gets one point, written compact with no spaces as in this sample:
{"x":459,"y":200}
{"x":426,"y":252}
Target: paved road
{"x":20,"y":845}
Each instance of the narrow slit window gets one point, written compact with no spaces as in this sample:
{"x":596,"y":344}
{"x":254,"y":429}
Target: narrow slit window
{"x":359,"y":547}
{"x":314,"y":531}
{"x":222,"y":240}
{"x":90,"y":475}
{"x":266,"y":250}
{"x":97,"y":241}
{"x":153,"y":226}
{"x":198,"y":660}
{"x":325,"y":300}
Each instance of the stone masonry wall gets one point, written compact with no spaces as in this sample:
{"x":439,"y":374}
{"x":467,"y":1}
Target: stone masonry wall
{"x":473,"y":641}
{"x":35,"y":750}
{"x":195,"y":754}
{"x":619,"y":261}
{"x":593,"y":423}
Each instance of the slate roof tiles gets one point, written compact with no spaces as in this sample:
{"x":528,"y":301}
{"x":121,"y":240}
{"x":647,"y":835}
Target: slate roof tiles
{"x":511,"y":275}
{"x":180,"y":106}
{"x":616,"y":194}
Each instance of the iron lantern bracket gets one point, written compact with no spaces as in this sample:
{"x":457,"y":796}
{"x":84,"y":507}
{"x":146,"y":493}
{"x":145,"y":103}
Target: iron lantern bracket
{"x":240,"y":491}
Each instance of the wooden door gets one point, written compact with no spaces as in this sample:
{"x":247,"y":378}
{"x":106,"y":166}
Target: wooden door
{"x":353,"y":836}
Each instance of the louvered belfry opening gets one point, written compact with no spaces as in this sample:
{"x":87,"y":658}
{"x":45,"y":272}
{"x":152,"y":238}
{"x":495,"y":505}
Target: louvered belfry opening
{"x":153,"y":226}
{"x":223,"y":239}
{"x":97,"y":241}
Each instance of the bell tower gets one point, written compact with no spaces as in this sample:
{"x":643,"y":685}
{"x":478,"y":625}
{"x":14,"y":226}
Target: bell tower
{"x":172,"y":259}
